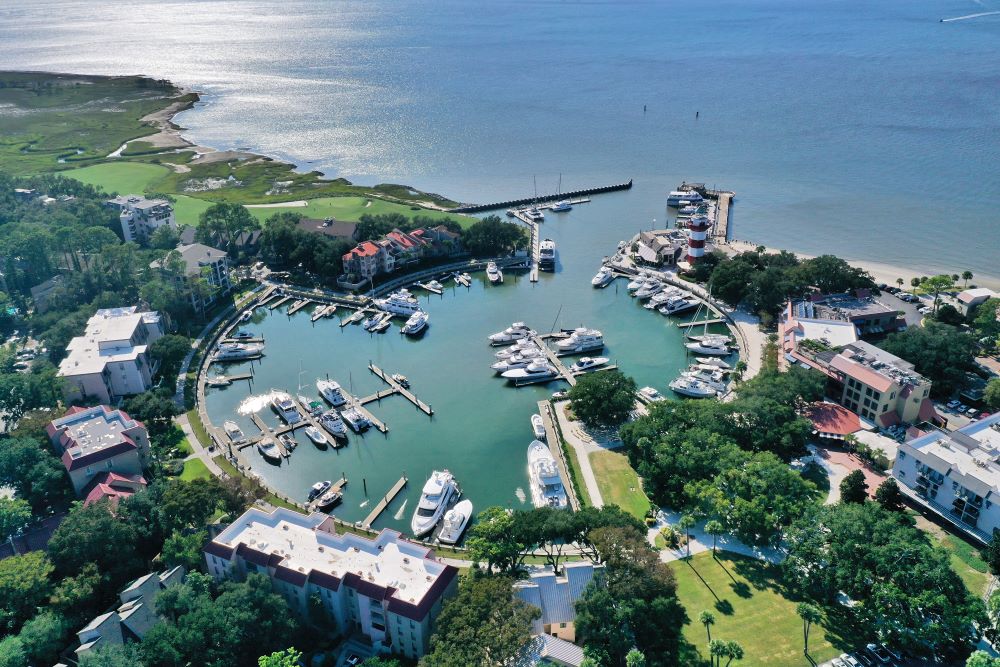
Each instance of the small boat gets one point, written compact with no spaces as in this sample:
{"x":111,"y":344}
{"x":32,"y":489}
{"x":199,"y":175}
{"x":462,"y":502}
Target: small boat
{"x":493,"y":273}
{"x":467,"y":278}
{"x":381,"y":326}
{"x":288,"y":441}
{"x":333,"y":424}
{"x":435,"y":285}
{"x":514,"y":332}
{"x":581,"y":340}
{"x":547,"y":255}
{"x":538,"y":426}
{"x":330,"y":391}
{"x":218,"y":381}
{"x":401,"y":380}
{"x":246,"y":316}
{"x":234,"y":432}
{"x":561,"y":206}
{"x":240,"y":335}
{"x":317,"y":436}
{"x":357,"y":421}
{"x":454,"y":522}
{"x":692,"y":388}
{"x":588,"y":363}
{"x":546,"y":485}
{"x":329,"y":499}
{"x":438,"y":491}
{"x":319,"y":488}
{"x":269,"y":449}
{"x":538,"y":370}
{"x":416,"y":323}
{"x":687,"y":210}
{"x":375,"y":321}
{"x":283,"y":404}
{"x":603,"y":277}
{"x":310,"y":406}
{"x":712,"y":361}
{"x":651,"y":395}
{"x":677,"y":196}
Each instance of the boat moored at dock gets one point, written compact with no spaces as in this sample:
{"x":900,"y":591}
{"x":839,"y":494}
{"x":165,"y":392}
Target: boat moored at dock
{"x":547,"y":255}
{"x":317,"y":436}
{"x":357,"y":421}
{"x":234,"y":432}
{"x":603,"y":277}
{"x":543,"y":474}
{"x":585,"y":364}
{"x":513,"y":333}
{"x":416,"y":323}
{"x":692,"y":388}
{"x":561,"y":207}
{"x":493,"y":273}
{"x":283,"y":404}
{"x":651,"y":394}
{"x":400,"y":302}
{"x":538,"y":426}
{"x":319,"y":488}
{"x":331,"y":392}
{"x":711,"y":344}
{"x":690,"y":196}
{"x":237,"y":351}
{"x":439,"y":490}
{"x":538,"y":370}
{"x":333,"y":424}
{"x":581,"y":340}
{"x":454,"y":523}
{"x":269,"y":449}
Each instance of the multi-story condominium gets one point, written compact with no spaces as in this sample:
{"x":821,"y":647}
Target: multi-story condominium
{"x":140,"y":217}
{"x":201,"y":261}
{"x":956,"y":474}
{"x":386,"y":589}
{"x":111,"y":359}
{"x":104,"y":451}
{"x":131,"y":620}
{"x":364,"y":260}
{"x":556,"y":596}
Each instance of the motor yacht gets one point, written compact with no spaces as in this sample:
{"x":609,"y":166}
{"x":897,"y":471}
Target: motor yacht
{"x":561,"y":207}
{"x":268,"y":449}
{"x":319,"y":488}
{"x":661,"y":297}
{"x":686,"y":386}
{"x":317,"y":436}
{"x":538,"y":370}
{"x":638,"y":281}
{"x":678,"y":304}
{"x":603,"y":277}
{"x":711,"y":361}
{"x":518,"y":361}
{"x":369,"y":322}
{"x":454,"y":522}
{"x":588,"y":363}
{"x":546,"y":485}
{"x":493,"y":273}
{"x":416,"y":323}
{"x":357,"y":421}
{"x":381,"y":326}
{"x":310,"y":406}
{"x":651,"y":394}
{"x":435,"y":285}
{"x":218,"y":381}
{"x":534,"y":215}
{"x":648,"y":289}
{"x":438,"y":491}
{"x":283,"y":404}
{"x":400,"y":302}
{"x":547,"y":255}
{"x":715,"y":379}
{"x":538,"y":427}
{"x":711,"y":346}
{"x":333,"y":424}
{"x":690,"y":209}
{"x":581,"y":340}
{"x":288,"y":442}
{"x":517,"y":348}
{"x":515,"y":332}
{"x":690,"y":196}
{"x":329,"y":499}
{"x":330,"y":391}
{"x":234,"y":432}
{"x":238,"y":351}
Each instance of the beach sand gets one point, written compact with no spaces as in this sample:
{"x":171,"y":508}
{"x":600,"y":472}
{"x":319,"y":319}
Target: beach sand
{"x":882,"y":273}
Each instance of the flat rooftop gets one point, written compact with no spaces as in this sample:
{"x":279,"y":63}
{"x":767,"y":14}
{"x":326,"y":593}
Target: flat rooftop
{"x":105,"y":340}
{"x":387,"y":560}
{"x":841,"y":307}
{"x":973,"y":452}
{"x":94,"y":429}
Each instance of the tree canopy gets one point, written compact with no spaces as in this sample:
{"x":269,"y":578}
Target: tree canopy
{"x":939,"y":352}
{"x":492,"y":236}
{"x":606,"y":398}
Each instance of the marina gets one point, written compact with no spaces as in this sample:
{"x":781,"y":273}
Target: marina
{"x":384,"y":502}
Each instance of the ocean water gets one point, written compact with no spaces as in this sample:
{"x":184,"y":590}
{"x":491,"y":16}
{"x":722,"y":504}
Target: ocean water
{"x":866,"y":129}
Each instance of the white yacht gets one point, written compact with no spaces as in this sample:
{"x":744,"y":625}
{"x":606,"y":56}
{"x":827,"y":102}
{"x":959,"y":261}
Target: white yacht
{"x":514,"y":332}
{"x":218,"y":381}
{"x":493,"y":273}
{"x":416,"y":323}
{"x":317,"y":436}
{"x":538,"y":370}
{"x":678,"y":304}
{"x":435,"y":285}
{"x":382,"y":325}
{"x":687,"y":210}
{"x":238,"y":351}
{"x":285,"y":407}
{"x":357,"y":421}
{"x":603,"y":277}
{"x":518,"y":361}
{"x":712,"y":346}
{"x":581,"y":340}
{"x":369,"y":322}
{"x":715,"y":379}
{"x":518,"y":347}
{"x":329,"y":499}
{"x":648,"y":289}
{"x":268,"y":449}
{"x":400,"y":302}
{"x":438,"y":491}
{"x":534,"y":215}
{"x":333,"y":424}
{"x":713,"y":361}
{"x":547,"y":255}
{"x":692,"y":388}
{"x":663,"y":296}
{"x":543,"y":473}
{"x":638,"y":281}
{"x":588,"y":363}
{"x":246,"y":316}
{"x":538,"y":426}
{"x":309,"y":405}
{"x":690,"y":196}
{"x":561,"y":206}
{"x":319,"y":488}
{"x":234,"y":432}
{"x":651,"y":394}
{"x":330,"y":391}
{"x":454,"y":522}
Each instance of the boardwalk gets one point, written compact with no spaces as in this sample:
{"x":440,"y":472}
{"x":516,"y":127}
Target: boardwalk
{"x":573,"y":194}
{"x":400,"y":389}
{"x":299,"y":305}
{"x":550,"y":354}
{"x":553,"y":441}
{"x":384,"y":502}
{"x":355,"y":403}
{"x":279,"y":302}
{"x":721,"y":228}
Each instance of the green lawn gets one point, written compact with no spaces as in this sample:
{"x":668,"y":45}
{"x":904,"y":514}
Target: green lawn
{"x":121,"y":177}
{"x":352,"y":208}
{"x":619,"y":484}
{"x":746,"y":597}
{"x":966,"y":562}
{"x":195,"y":469}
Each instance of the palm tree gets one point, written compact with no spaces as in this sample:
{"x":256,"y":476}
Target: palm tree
{"x":967,"y":276}
{"x":685,"y":523}
{"x":809,"y":614}
{"x":717,"y":649}
{"x":714,"y":528}
{"x":899,"y":282}
{"x":733,"y":651}
{"x":914,"y":283}
{"x":707,"y":619}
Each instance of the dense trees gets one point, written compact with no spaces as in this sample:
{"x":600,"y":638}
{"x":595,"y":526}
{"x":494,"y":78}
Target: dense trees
{"x":938,"y":351}
{"x":854,"y":488}
{"x":169,"y":351}
{"x":283,"y":244}
{"x":483,"y":625}
{"x":603,"y":399}
{"x":222,"y":224}
{"x":35,"y":473}
{"x":24,"y":585}
{"x":903,"y":589}
{"x":491,"y":237}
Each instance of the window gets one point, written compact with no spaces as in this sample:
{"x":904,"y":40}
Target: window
{"x":562,"y":625}
{"x":902,"y":473}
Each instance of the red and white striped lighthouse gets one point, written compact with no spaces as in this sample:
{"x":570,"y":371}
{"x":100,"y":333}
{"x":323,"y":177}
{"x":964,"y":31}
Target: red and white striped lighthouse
{"x":697,"y":233}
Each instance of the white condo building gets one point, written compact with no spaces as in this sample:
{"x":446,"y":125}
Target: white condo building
{"x":956,"y":474}
{"x":387,"y":589}
{"x":140,"y":217}
{"x":111,"y":359}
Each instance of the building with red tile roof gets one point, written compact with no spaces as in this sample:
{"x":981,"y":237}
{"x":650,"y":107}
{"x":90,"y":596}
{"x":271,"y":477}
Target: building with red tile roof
{"x":112,"y":487}
{"x":832,"y":421}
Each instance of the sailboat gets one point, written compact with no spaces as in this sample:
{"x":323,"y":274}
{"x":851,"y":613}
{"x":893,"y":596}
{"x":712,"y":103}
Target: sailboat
{"x":562,"y":205}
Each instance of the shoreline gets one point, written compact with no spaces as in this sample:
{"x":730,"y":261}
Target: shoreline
{"x":880,"y":271}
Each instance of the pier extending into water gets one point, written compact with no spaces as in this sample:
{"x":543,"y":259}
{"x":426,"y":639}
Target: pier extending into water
{"x":384,"y":502}
{"x":559,"y":196}
{"x":553,"y":441}
{"x":397,"y":389}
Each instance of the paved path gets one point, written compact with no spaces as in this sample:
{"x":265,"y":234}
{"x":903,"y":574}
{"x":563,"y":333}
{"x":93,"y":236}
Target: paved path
{"x":583,"y":445}
{"x":702,"y":542}
{"x":198,"y":450}
{"x":834,"y":472}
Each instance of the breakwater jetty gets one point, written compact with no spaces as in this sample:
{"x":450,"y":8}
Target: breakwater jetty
{"x":478,"y":208}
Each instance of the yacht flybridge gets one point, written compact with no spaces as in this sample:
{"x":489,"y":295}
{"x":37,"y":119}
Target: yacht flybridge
{"x":581,"y":340}
{"x":439,"y":490}
{"x":546,"y":485}
{"x":513,"y":333}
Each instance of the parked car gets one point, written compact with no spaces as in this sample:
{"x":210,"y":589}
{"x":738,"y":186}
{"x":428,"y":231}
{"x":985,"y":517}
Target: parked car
{"x":971,"y":412}
{"x":952,"y":404}
{"x":849,"y":660}
{"x":22,"y":366}
{"x":864,"y":658}
{"x":879,"y":653}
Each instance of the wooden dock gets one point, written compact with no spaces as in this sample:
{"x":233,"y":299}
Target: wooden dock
{"x":721,"y":228}
{"x":555,"y":448}
{"x":299,"y":305}
{"x":326,"y":311}
{"x":384,"y":502}
{"x":553,"y":359}
{"x":278,"y":303}
{"x":400,"y":389}
{"x":239,"y":376}
{"x":541,"y":199}
{"x":379,"y":425}
{"x":688,"y":325}
{"x":356,"y":316}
